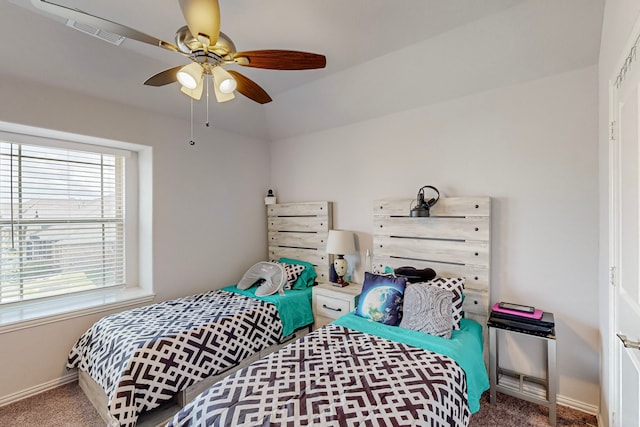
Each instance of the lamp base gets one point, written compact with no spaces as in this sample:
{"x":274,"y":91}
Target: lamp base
{"x":340,"y":283}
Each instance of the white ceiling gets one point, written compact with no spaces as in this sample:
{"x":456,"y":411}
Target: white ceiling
{"x":348,"y":32}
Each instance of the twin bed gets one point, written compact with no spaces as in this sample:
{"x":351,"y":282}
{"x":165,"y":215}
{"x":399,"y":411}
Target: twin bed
{"x":140,"y":365}
{"x":355,"y":371}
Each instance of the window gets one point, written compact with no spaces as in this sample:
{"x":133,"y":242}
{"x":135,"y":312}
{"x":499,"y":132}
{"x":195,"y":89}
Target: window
{"x":76,"y":225}
{"x":62,"y":221}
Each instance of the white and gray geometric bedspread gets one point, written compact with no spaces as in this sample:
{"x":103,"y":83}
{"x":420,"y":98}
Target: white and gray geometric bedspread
{"x":142,"y":357}
{"x":335,"y":376}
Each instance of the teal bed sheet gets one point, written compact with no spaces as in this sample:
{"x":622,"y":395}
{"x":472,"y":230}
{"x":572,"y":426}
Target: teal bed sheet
{"x":294,"y":306}
{"x":465,"y":347}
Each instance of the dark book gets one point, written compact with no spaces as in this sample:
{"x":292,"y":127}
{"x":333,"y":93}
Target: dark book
{"x":333,"y":276}
{"x":546,"y":319}
{"x":521,"y":326}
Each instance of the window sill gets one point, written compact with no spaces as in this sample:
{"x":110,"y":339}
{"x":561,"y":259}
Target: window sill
{"x":41,"y":313}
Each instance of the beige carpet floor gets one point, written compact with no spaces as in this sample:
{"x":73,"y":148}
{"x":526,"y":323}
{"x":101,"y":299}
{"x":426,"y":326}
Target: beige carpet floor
{"x":64,"y":406}
{"x":512,"y":412}
{"x":67,"y":406}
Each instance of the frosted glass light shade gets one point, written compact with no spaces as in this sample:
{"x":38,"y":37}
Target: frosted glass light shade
{"x":194,"y":93}
{"x":228,"y":85}
{"x":222,"y":97}
{"x":190,"y":75}
{"x":224,"y":80}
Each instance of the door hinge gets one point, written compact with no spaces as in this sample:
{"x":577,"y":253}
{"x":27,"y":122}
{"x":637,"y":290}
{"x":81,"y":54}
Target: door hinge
{"x":612,"y":131}
{"x":612,"y":275}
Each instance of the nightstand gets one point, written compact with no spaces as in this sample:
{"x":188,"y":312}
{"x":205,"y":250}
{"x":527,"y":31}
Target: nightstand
{"x":550,"y":383}
{"x":331,"y":302}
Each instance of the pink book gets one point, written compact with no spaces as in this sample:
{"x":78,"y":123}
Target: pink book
{"x":537,"y":313}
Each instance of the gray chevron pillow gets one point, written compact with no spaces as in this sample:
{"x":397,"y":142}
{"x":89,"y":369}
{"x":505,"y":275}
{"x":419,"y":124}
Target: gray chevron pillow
{"x":455,"y":285}
{"x":427,"y":309}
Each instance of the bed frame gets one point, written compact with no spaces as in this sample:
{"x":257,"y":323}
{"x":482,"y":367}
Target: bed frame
{"x":299,"y":231}
{"x":295,"y":230}
{"x":455,"y":241}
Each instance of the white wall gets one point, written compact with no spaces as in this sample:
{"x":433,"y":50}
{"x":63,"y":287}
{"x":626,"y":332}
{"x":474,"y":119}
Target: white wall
{"x":619,"y":19}
{"x":532,"y":147}
{"x":500,"y":49}
{"x":209,"y":221}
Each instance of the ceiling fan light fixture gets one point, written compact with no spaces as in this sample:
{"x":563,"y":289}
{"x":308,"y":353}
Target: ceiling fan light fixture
{"x":228,"y":85}
{"x":190,"y":75}
{"x":200,"y":40}
{"x":223,"y":80}
{"x":222,"y":97}
{"x":195,"y":93}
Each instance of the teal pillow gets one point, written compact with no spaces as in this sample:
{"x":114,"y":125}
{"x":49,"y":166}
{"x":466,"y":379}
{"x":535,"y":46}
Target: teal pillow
{"x":307,"y":278}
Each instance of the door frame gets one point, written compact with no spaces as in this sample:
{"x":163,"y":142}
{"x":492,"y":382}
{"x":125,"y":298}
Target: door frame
{"x":613,"y":255}
{"x":614,"y":237}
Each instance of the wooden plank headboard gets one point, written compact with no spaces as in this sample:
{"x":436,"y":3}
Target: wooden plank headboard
{"x":455,"y":241}
{"x":299,"y":231}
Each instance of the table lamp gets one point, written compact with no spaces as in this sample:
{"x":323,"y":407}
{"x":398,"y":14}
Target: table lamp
{"x":340,"y":243}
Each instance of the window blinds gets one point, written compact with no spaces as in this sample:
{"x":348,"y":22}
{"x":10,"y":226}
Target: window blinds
{"x":61,"y":221}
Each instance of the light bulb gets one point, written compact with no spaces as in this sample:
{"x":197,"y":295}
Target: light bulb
{"x":190,"y":75}
{"x":223,"y":84}
{"x":228,"y":85}
{"x":187,"y":80}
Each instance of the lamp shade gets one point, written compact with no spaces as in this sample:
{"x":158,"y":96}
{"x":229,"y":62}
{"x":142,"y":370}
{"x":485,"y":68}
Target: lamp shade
{"x":190,"y":75}
{"x":194,"y":93}
{"x":225,"y":81}
{"x":340,"y":242}
{"x":218,"y":74}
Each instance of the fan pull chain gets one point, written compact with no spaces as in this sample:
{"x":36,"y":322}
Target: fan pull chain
{"x":207,"y":88}
{"x":191,"y":141}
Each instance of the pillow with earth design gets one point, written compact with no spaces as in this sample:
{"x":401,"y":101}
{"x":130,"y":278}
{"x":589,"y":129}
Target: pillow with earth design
{"x":381,"y":298}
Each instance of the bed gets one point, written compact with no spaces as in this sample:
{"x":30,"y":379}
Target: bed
{"x":139,"y":366}
{"x":359,"y":372}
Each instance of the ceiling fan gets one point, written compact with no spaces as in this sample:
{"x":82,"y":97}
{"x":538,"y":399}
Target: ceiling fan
{"x":208,"y":48}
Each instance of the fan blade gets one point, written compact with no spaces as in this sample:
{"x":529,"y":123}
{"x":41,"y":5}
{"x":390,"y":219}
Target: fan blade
{"x":280,"y":59}
{"x":164,"y":77}
{"x":203,"y":19}
{"x":250,"y":89}
{"x":100,"y":23}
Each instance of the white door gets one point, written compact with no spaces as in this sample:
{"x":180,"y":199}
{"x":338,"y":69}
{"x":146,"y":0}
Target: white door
{"x":625,"y":244}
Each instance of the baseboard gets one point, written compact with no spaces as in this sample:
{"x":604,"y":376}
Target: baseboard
{"x":599,"y":419}
{"x":580,"y":406}
{"x":32,"y":391}
{"x":538,"y":391}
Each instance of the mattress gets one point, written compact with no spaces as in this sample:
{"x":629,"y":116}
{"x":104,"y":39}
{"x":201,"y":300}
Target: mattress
{"x":143,"y":357}
{"x":340,"y":376}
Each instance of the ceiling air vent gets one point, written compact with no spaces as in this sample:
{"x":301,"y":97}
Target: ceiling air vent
{"x":112,"y":38}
